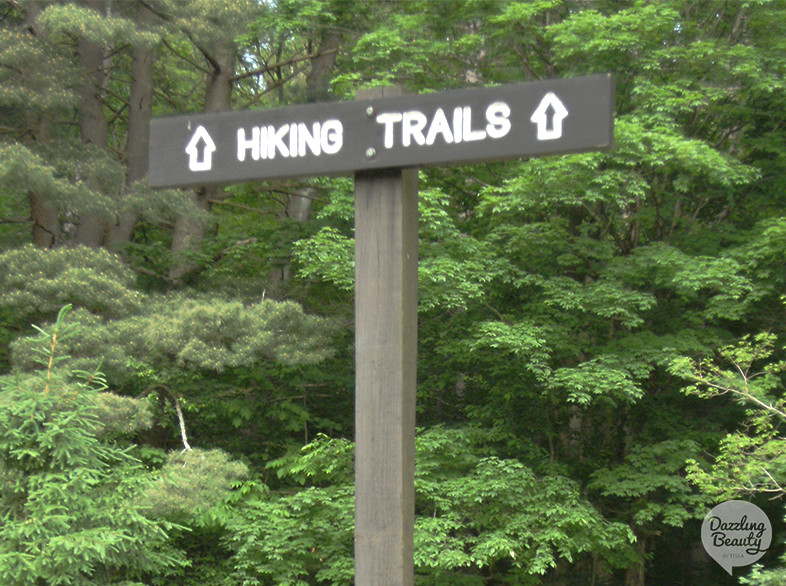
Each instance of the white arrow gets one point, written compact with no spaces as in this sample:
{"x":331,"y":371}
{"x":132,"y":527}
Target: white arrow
{"x":195,"y":162}
{"x":541,"y":117}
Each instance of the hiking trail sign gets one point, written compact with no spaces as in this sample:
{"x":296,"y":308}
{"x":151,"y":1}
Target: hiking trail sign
{"x":340,"y":138}
{"x":382,"y":137}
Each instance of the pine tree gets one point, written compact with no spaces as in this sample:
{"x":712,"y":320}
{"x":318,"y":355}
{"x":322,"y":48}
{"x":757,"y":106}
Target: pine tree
{"x":71,"y":499}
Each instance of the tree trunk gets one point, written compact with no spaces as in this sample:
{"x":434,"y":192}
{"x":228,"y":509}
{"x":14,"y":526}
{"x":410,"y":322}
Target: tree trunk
{"x":322,"y":66}
{"x":190,"y":230}
{"x":634,"y":576}
{"x":301,"y":202}
{"x":139,"y":113}
{"x":45,"y":216}
{"x":46,"y":222}
{"x":93,"y":127}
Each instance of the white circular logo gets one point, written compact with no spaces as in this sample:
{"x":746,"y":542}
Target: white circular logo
{"x":736,"y":533}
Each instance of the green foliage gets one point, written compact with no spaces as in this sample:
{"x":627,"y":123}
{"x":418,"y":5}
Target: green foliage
{"x":751,"y":460}
{"x":525,"y":341}
{"x":209,"y":21}
{"x":651,"y":482}
{"x":72,"y":21}
{"x":293,"y":537}
{"x":215,"y":335}
{"x":481,"y":512}
{"x":191,"y":483}
{"x":175,"y":331}
{"x":474,"y":513}
{"x":452,"y":269}
{"x":36,"y":283}
{"x":603,"y":376}
{"x":328,"y":255}
{"x":68,"y":498}
{"x":23,"y":168}
{"x":121,"y":416}
{"x":33,"y":87}
{"x":324,"y":461}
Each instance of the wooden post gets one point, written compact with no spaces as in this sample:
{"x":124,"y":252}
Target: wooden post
{"x":386,"y":241}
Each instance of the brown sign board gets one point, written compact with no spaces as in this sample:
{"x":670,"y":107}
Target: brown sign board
{"x":338,"y":138}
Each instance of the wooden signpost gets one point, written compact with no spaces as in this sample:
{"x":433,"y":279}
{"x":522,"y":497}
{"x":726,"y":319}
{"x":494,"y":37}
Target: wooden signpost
{"x":382,"y":137}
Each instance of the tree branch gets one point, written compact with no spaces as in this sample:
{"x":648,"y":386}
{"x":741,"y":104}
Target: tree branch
{"x":268,"y":68}
{"x":181,"y":421}
{"x":196,"y":66}
{"x":745,"y":395}
{"x":149,"y":273}
{"x":241,"y":206}
{"x":276,"y":85}
{"x":166,"y":394}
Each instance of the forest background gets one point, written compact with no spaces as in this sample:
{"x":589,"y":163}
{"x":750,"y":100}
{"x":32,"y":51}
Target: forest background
{"x":601,"y":336}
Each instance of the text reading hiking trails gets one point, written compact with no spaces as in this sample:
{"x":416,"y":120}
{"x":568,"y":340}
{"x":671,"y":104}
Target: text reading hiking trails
{"x":406,"y":129}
